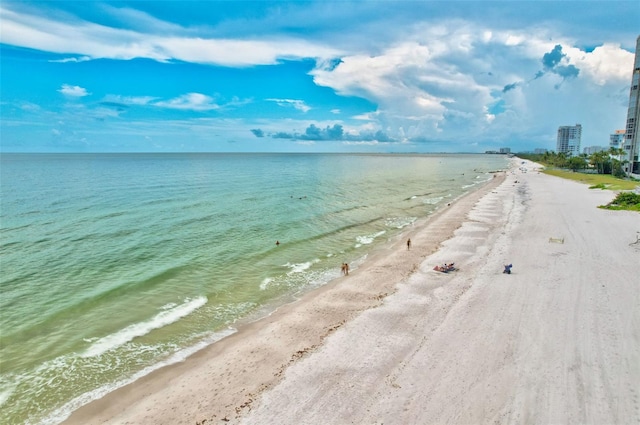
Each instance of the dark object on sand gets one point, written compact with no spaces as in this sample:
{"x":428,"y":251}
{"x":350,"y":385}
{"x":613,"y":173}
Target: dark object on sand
{"x":445,"y":268}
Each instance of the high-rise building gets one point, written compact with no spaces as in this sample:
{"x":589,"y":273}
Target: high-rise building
{"x":616,"y":140}
{"x":631,"y":139}
{"x":569,"y":137}
{"x":589,"y":150}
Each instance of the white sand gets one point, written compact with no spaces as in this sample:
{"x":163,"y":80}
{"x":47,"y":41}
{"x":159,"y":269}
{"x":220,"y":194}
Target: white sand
{"x":557,"y":341}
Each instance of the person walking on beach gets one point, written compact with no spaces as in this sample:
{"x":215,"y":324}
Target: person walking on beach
{"x":408,"y":244}
{"x":345,"y":269}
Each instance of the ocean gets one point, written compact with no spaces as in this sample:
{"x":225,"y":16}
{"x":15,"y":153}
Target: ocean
{"x":113,"y":265}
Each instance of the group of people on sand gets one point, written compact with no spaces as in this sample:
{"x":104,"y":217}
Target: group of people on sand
{"x":445,"y":268}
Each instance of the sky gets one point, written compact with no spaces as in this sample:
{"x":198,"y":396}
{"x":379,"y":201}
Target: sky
{"x":312,"y":76}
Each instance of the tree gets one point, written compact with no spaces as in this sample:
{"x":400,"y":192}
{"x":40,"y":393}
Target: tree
{"x":601,"y":161}
{"x":576,"y":163}
{"x":616,"y":166}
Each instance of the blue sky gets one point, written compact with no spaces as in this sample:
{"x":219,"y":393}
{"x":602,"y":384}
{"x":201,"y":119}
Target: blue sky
{"x":312,"y":76}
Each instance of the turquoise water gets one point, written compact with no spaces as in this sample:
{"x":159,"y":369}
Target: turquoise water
{"x":113,"y":265}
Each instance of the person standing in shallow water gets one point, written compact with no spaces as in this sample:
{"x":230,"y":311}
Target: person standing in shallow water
{"x":345,"y":269}
{"x":408,"y":244}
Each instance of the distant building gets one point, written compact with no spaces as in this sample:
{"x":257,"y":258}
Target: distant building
{"x":540,"y":151}
{"x":631,"y":138}
{"x":616,"y":140}
{"x":501,"y":151}
{"x":569,"y":137}
{"x":593,"y":149}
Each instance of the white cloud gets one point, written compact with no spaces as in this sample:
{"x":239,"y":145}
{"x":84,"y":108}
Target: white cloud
{"x":190,"y":101}
{"x":73,"y":91}
{"x":427,"y":77}
{"x":297,"y":104}
{"x":370,"y":116}
{"x":443,"y":82}
{"x":130,"y":100}
{"x":76,"y":60}
{"x":365,"y":143}
{"x":30,"y":107}
{"x":605,"y":63}
{"x":99,"y":41}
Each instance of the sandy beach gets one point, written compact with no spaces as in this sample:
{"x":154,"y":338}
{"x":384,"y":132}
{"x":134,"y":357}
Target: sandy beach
{"x":395,"y":342}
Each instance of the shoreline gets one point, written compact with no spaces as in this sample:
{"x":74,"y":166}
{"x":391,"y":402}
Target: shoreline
{"x":321,"y":311}
{"x":556,"y":341}
{"x":396,"y":342}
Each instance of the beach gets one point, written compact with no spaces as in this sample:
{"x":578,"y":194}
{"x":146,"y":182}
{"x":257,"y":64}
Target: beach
{"x":396,"y":342}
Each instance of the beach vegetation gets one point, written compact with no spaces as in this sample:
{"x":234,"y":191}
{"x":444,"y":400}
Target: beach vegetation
{"x":577,"y":163}
{"x":595,"y":181}
{"x":624,"y":201}
{"x":600,"y":170}
{"x":604,"y":162}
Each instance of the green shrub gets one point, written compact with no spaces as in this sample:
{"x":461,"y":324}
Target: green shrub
{"x":627,"y":198}
{"x":624,"y":201}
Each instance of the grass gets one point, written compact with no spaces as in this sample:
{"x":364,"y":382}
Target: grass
{"x":595,"y":181}
{"x":624,"y":201}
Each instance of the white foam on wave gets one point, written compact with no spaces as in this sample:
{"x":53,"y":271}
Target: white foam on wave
{"x":368,"y":239}
{"x":399,"y":222}
{"x":169,"y":315}
{"x":480,"y":181}
{"x":5,"y":393}
{"x":433,"y":201}
{"x":265,"y":283}
{"x":62,"y":413}
{"x":301,"y":267}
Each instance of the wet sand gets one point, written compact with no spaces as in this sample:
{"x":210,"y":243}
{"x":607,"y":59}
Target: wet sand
{"x":396,"y":342}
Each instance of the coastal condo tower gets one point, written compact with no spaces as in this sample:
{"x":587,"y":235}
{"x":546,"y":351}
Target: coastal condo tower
{"x":631,"y":142}
{"x":569,"y":139}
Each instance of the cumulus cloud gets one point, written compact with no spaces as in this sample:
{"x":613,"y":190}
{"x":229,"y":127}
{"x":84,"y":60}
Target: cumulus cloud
{"x":335,"y":132}
{"x":552,"y":62}
{"x":73,"y":91}
{"x":190,"y":101}
{"x":297,"y":104}
{"x":458,"y":79}
{"x":434,"y":79}
{"x":604,"y":64}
